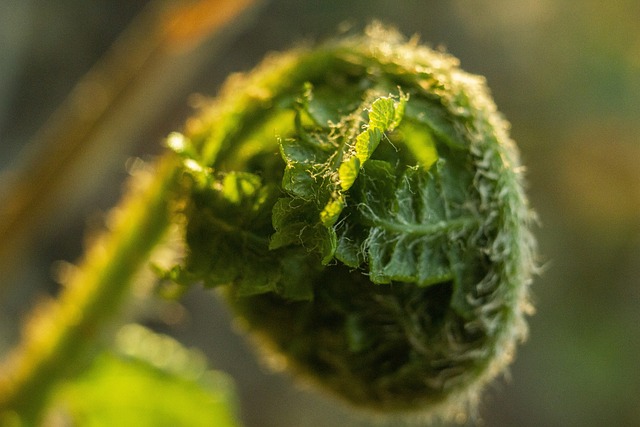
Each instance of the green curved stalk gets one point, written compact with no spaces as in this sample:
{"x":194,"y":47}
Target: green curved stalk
{"x":61,"y":332}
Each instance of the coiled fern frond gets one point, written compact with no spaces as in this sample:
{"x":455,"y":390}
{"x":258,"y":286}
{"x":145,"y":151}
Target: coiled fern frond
{"x":365,"y":205}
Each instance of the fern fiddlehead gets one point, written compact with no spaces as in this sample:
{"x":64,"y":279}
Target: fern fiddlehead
{"x":365,"y":203}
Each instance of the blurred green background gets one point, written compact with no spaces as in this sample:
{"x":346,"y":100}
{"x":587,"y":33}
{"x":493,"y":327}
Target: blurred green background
{"x":567,"y":76}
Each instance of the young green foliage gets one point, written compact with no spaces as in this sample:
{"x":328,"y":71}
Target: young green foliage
{"x":364,"y":203}
{"x":322,"y":165}
{"x":149,"y":381}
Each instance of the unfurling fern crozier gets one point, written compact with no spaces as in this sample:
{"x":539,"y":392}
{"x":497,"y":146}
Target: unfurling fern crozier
{"x":363,"y":203}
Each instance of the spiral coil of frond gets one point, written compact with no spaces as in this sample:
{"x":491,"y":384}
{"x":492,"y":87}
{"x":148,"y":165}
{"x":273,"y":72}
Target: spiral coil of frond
{"x":365,"y":203}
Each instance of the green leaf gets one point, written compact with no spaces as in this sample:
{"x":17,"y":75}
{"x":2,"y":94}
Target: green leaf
{"x":437,"y":120}
{"x":348,"y":172}
{"x":155,"y":382}
{"x":291,"y":220}
{"x":367,"y":142}
{"x":382,"y":113}
{"x":322,"y":164}
{"x":374,"y":188}
{"x":331,"y":212}
{"x":420,"y":142}
{"x":386,"y":113}
{"x":238,"y":187}
{"x":349,"y":247}
{"x":232,"y":241}
{"x":300,"y":181}
{"x":410,"y":228}
{"x":327,"y":104}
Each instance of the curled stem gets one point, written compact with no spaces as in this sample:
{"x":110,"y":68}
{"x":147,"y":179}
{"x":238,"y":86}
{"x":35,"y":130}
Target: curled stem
{"x":64,"y":329}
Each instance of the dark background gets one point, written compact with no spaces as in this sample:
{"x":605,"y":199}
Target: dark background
{"x":565,"y":73}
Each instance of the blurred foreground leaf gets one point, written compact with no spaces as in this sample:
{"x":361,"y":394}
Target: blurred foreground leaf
{"x":168,"y":386}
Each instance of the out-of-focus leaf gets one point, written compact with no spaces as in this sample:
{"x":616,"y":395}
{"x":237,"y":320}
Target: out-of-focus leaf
{"x":156,"y":383}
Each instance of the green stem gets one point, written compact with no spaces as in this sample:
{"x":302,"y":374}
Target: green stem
{"x":425,"y":229}
{"x":55,"y":339}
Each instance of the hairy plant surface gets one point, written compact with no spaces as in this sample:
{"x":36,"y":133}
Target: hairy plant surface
{"x":364,"y":202}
